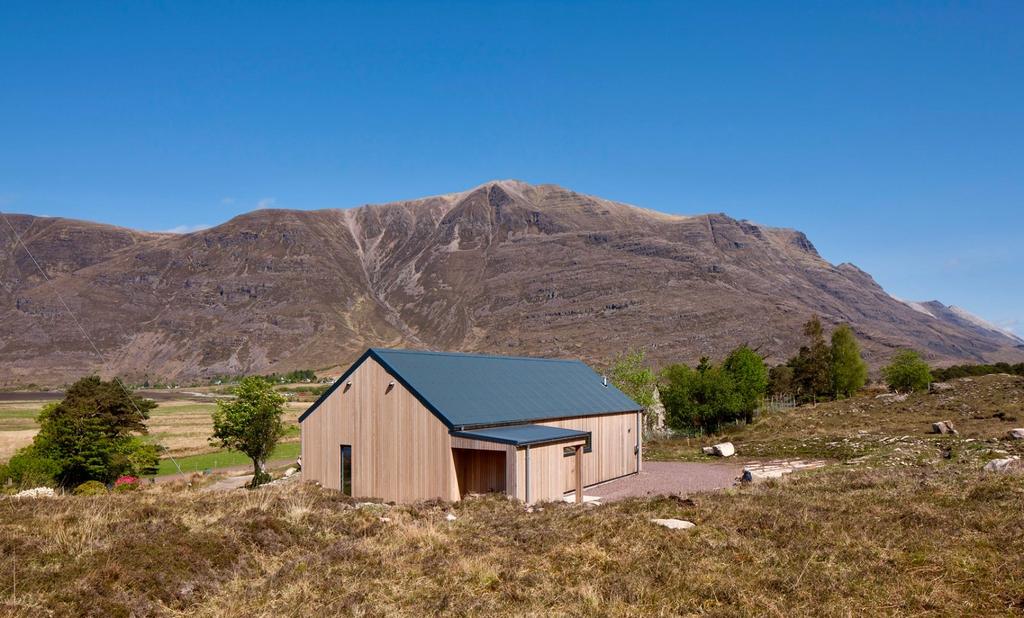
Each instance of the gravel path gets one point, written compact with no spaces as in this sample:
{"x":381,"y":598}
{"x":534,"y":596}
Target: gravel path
{"x":669,"y":477}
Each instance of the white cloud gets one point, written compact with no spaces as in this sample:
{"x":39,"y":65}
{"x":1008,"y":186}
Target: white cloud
{"x":186,"y":229}
{"x":267,"y":202}
{"x":1014,"y":325}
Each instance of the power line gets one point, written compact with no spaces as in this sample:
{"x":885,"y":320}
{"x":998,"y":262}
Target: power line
{"x":74,"y":318}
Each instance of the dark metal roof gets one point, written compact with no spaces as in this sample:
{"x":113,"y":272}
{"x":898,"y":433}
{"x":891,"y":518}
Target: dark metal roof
{"x":522,"y":435}
{"x":477,"y":390}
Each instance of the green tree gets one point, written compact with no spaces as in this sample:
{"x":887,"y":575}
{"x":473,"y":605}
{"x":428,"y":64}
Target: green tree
{"x":907,"y":372}
{"x":849,"y":371}
{"x":813,"y":364}
{"x":632,"y":376}
{"x":749,"y":377}
{"x":701,"y":399}
{"x":780,"y":380}
{"x":251,"y":423}
{"x":92,"y":434}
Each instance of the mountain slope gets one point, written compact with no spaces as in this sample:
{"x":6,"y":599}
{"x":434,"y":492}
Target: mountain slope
{"x":505,"y":267}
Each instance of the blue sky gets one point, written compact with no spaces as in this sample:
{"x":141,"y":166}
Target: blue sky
{"x":892,"y":133}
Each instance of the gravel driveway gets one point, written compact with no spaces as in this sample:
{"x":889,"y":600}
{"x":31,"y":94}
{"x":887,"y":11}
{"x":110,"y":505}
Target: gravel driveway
{"x":668,"y":477}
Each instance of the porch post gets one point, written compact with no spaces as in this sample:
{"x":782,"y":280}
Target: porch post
{"x":579,"y":474}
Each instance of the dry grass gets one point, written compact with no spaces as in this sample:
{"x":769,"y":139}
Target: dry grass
{"x":917,"y":535}
{"x":937,"y":540}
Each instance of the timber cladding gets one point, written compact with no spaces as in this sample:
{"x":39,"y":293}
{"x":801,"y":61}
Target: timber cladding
{"x":614,"y":442}
{"x":401,"y":452}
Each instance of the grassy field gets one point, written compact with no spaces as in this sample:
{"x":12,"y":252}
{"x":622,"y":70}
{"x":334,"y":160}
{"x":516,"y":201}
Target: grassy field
{"x":183,"y":427}
{"x":901,"y":523}
{"x":222,"y":459}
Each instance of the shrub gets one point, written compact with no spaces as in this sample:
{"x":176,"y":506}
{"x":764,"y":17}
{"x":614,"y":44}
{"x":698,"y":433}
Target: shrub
{"x":91,"y":488}
{"x":126,"y":483}
{"x":27,"y":468}
{"x":907,"y":372}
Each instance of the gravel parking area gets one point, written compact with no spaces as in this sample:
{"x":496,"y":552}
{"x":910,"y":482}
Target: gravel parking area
{"x":668,"y":477}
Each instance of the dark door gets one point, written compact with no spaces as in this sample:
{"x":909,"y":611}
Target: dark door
{"x":346,"y":469}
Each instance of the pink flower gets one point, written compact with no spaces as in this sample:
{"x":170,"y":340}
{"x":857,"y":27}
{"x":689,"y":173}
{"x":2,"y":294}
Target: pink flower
{"x":126,"y":480}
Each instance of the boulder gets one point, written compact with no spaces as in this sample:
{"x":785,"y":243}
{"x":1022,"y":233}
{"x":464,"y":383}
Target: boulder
{"x":674,"y":524}
{"x":897,"y":397}
{"x":289,"y":472}
{"x":724,"y":449}
{"x":944,"y":427}
{"x":757,"y":475}
{"x":1010,"y":464}
{"x":37,"y":492}
{"x":1015,"y":434}
{"x":938,"y":387}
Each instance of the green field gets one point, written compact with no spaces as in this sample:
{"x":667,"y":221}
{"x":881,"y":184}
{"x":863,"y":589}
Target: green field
{"x":222,"y":459}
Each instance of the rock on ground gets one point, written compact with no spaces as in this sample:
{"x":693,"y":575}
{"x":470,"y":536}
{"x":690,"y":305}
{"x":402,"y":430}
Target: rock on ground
{"x":777,"y":469}
{"x":1010,"y":464}
{"x":937,"y":387}
{"x":37,"y":492}
{"x":724,"y":449}
{"x":944,"y":427}
{"x":674,"y":524}
{"x":1015,"y":434}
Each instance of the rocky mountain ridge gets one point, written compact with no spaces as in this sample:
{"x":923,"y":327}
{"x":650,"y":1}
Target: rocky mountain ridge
{"x":505,"y":267}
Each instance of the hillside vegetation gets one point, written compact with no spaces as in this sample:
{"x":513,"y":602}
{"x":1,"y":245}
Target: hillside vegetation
{"x":880,"y":534}
{"x":876,"y":428}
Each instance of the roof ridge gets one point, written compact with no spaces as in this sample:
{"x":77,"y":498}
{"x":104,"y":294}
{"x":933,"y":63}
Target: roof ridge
{"x":477,"y":355}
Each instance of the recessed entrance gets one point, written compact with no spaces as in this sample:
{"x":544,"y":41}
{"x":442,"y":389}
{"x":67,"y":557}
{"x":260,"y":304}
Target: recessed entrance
{"x":479,"y":471}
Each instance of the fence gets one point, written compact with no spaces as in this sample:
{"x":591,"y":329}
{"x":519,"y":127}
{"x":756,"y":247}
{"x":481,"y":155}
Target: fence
{"x":776,"y":403}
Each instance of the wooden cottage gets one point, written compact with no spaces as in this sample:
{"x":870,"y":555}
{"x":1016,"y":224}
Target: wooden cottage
{"x":404,"y":425}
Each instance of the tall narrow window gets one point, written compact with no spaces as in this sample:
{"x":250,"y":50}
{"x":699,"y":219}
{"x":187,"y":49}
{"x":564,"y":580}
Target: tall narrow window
{"x":346,"y":469}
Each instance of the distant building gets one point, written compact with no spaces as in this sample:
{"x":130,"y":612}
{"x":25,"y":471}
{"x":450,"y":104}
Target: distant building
{"x":404,"y":425}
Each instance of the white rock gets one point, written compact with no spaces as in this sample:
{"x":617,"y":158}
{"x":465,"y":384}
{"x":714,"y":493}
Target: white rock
{"x":1010,"y":464}
{"x":725,"y":449}
{"x":37,"y":492}
{"x":289,"y":472}
{"x":936,"y":387}
{"x":1015,"y":434}
{"x":450,"y":517}
{"x":708,"y":450}
{"x":757,"y":475}
{"x":674,"y":524}
{"x":944,"y":427}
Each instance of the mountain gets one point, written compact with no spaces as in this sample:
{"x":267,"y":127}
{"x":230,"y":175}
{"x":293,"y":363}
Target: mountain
{"x":505,"y":267}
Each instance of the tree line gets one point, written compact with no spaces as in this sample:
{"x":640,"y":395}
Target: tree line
{"x":96,"y":436}
{"x":968,"y":371}
{"x":708,"y":396}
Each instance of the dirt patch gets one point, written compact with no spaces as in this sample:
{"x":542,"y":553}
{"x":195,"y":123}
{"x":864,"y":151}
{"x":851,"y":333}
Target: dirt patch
{"x":668,"y":478}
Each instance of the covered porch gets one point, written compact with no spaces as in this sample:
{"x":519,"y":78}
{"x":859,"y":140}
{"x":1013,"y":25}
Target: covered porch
{"x":533,"y":463}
